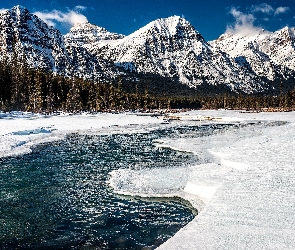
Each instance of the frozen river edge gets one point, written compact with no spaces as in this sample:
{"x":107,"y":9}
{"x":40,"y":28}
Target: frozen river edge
{"x":250,"y":189}
{"x":245,"y":197}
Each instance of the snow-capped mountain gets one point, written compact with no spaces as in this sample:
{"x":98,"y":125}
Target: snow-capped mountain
{"x":168,"y":47}
{"x":86,"y":33}
{"x":25,"y":35}
{"x":268,"y":54}
{"x":173,"y":48}
{"x":79,"y":43}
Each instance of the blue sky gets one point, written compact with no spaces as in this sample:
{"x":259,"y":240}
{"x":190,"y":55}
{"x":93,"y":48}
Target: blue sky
{"x":210,"y":17}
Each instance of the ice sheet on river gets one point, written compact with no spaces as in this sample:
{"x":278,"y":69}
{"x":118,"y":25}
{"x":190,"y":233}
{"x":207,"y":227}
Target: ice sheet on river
{"x":245,"y":193}
{"x":20,"y":131}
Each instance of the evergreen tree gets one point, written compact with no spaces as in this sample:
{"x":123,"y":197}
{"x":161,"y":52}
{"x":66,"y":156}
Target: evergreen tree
{"x":74,"y":101}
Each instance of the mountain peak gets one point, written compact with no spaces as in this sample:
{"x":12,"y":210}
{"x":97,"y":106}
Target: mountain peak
{"x":287,"y":32}
{"x":18,"y":9}
{"x":85,"y":25}
{"x":172,"y":20}
{"x":172,"y":23}
{"x":87,"y":33}
{"x":173,"y":27}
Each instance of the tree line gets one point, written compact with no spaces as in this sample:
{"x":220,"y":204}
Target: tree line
{"x":35,"y":90}
{"x":282,"y":102}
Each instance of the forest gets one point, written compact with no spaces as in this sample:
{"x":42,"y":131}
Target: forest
{"x":26,"y":89}
{"x":35,"y":90}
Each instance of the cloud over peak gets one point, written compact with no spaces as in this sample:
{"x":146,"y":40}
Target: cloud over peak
{"x":3,"y":10}
{"x":70,"y":17}
{"x":244,"y":22}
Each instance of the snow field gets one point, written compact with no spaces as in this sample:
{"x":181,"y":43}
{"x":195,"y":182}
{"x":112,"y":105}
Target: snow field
{"x":253,"y":204}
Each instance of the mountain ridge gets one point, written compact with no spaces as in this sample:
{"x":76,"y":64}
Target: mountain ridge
{"x":169,"y":47}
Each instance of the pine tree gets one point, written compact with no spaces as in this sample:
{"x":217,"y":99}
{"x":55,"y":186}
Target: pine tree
{"x":74,"y":101}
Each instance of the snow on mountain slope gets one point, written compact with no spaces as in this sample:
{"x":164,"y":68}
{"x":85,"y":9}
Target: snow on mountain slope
{"x":267,"y":54}
{"x":169,"y":47}
{"x":281,"y":47}
{"x":25,"y":35}
{"x":86,"y":33}
{"x":173,"y":48}
{"x":79,"y":42}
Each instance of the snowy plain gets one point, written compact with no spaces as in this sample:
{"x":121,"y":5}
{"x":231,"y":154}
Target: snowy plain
{"x":244,"y":191}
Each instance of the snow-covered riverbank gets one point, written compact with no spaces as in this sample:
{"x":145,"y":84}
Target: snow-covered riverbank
{"x":19,"y":132}
{"x":245,"y":193}
{"x":249,"y":191}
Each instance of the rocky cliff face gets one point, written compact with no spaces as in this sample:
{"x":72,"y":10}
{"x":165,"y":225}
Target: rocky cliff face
{"x":169,"y":47}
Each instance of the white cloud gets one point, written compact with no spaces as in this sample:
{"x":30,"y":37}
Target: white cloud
{"x":70,"y":17}
{"x":268,"y":9}
{"x":281,"y":10}
{"x":264,"y":8}
{"x":79,"y":7}
{"x":2,"y":10}
{"x":244,"y":23}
